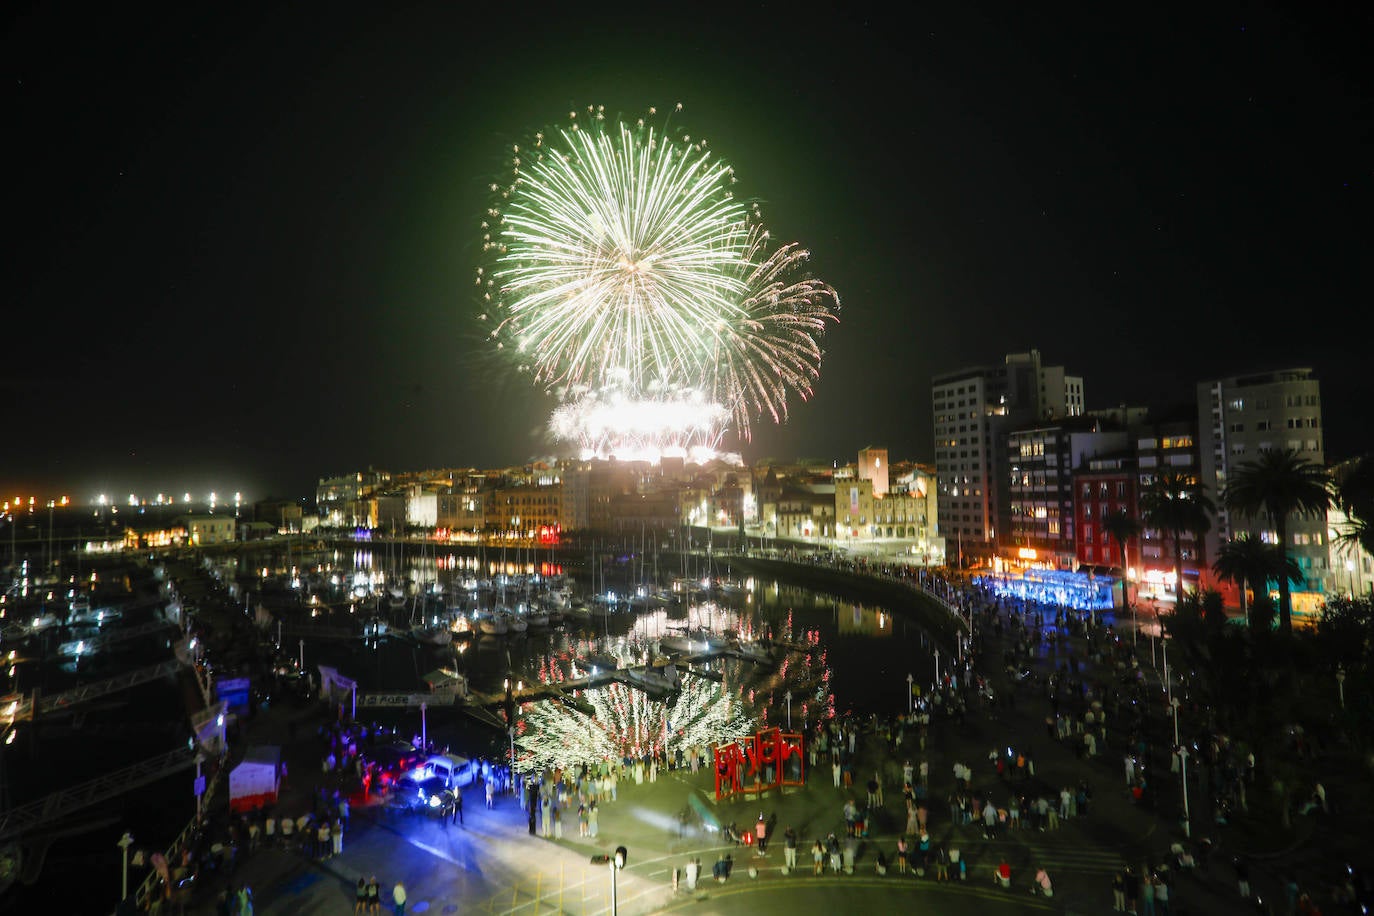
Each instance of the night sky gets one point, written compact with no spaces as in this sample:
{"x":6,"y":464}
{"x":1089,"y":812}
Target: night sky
{"x":242,"y":238}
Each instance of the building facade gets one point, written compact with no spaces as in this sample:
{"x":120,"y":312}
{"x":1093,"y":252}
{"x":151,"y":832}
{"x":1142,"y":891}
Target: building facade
{"x":1241,"y":417}
{"x":973,"y":410}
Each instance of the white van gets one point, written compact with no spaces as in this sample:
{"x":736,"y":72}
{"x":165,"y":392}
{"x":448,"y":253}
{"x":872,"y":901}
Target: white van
{"x":455,"y":771}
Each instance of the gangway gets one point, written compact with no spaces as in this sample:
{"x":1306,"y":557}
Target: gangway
{"x":17,"y":709}
{"x":59,"y":805}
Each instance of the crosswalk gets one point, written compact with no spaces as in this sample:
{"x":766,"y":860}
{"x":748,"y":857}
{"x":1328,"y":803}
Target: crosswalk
{"x":1074,"y":855}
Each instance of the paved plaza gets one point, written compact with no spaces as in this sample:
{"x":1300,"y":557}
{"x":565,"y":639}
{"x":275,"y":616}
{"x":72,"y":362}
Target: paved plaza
{"x":492,"y":864}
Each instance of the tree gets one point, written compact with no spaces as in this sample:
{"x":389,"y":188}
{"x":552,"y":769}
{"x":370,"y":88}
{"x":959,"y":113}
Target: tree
{"x":1246,"y":560}
{"x":1279,"y":484}
{"x":1353,"y":493}
{"x":1175,"y":502}
{"x":1121,"y":527}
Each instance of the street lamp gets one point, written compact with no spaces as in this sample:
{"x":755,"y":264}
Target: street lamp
{"x":616,"y":862}
{"x":1183,"y":763}
{"x":511,"y":733}
{"x":1340,"y":682}
{"x":124,"y":843}
{"x":788,"y":696}
{"x":910,"y":692}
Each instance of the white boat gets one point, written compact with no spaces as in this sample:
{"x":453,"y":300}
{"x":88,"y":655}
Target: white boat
{"x":516,"y":623}
{"x":535,"y":616}
{"x":490,"y":624}
{"x":437,"y":636}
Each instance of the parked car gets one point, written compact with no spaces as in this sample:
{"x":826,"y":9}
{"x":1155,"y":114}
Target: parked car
{"x":389,"y":762}
{"x":418,"y":794}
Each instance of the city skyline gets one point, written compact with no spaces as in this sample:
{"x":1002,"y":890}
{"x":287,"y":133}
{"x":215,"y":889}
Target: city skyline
{"x":244,"y":243}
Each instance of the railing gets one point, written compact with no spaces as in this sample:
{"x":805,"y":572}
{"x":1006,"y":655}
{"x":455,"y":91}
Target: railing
{"x":145,"y":890}
{"x":60,"y":804}
{"x":22,"y":708}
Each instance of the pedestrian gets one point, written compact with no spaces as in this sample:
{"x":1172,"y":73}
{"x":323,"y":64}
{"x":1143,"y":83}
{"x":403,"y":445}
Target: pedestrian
{"x":817,"y":857}
{"x":360,"y":902}
{"x":693,"y":873}
{"x":1147,"y":895}
{"x":491,"y":792}
{"x":593,"y":819}
{"x":398,"y":899}
{"x":336,"y":836}
{"x":1161,"y":896}
{"x":457,"y":817}
{"x":1132,"y":888}
{"x":374,"y":895}
{"x":1119,"y":892}
{"x":789,"y":850}
{"x":835,"y":770}
{"x":902,"y":854}
{"x":1242,"y":876}
{"x":761,"y":835}
{"x":941,"y":863}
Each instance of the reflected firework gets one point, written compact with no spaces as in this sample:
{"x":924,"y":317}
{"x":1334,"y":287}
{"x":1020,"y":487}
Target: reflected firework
{"x":627,"y":723}
{"x":625,"y":277}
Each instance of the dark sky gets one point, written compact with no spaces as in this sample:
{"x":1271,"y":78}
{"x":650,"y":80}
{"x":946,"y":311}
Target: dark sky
{"x":241,"y":238}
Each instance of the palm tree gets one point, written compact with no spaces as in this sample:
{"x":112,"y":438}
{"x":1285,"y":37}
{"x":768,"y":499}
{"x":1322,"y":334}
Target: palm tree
{"x":1354,"y":494}
{"x":1175,"y":503}
{"x":1279,"y":484}
{"x":1247,"y":560}
{"x":1121,"y":528}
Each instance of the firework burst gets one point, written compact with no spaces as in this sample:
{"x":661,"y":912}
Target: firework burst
{"x":626,"y":278}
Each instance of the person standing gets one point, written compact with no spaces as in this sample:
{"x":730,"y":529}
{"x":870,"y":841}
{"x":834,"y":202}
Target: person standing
{"x":374,"y":895}
{"x":360,"y":902}
{"x":789,"y":849}
{"x":491,"y":792}
{"x":398,"y":899}
{"x":457,"y":806}
{"x":693,"y":873}
{"x":761,"y":835}
{"x":1119,"y":892}
{"x":593,"y":820}
{"x":336,"y":836}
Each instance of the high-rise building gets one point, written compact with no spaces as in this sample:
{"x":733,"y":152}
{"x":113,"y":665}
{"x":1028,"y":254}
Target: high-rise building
{"x":1042,"y":460}
{"x":1241,"y":417}
{"x":973,"y":411}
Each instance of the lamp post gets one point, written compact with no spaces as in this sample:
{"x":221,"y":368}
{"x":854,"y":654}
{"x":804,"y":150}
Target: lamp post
{"x":124,"y":843}
{"x":788,"y":696}
{"x":1168,"y":684}
{"x":910,"y":692}
{"x":615,"y":862}
{"x":1340,"y":683}
{"x":1183,"y":765}
{"x":510,"y":732}
{"x":199,"y":786}
{"x":302,"y":656}
{"x":424,"y":732}
{"x":937,"y":667}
